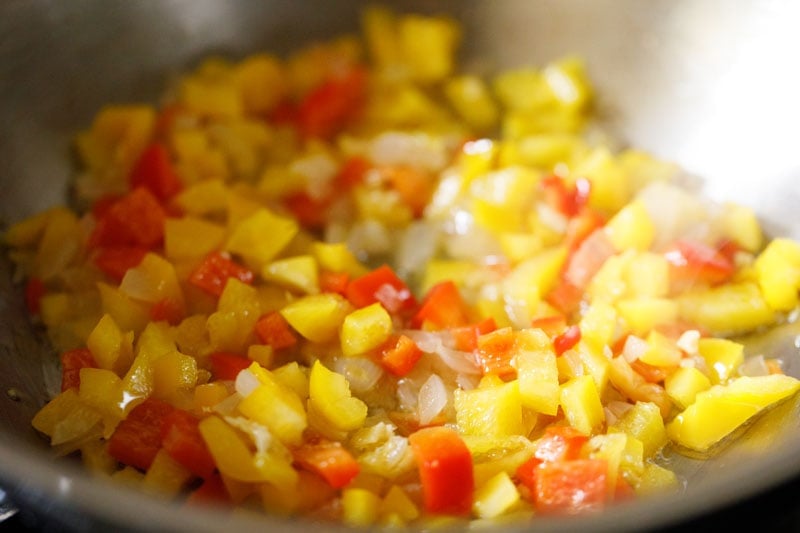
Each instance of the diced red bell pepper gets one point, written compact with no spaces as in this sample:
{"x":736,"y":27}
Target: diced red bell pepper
{"x":167,"y":310}
{"x":136,"y":219}
{"x":72,"y":361}
{"x":560,"y":443}
{"x":567,"y":200}
{"x":137,"y":439}
{"x":399,"y":355}
{"x":34,"y":290}
{"x":384,"y":286}
{"x":580,"y":226}
{"x":496,"y":352}
{"x":651,"y":373}
{"x":623,"y":491}
{"x":310,"y":212}
{"x":226,"y":366}
{"x":101,"y":206}
{"x":154,"y":170}
{"x":693,"y":261}
{"x":352,"y":172}
{"x":413,"y":185}
{"x":565,"y":296}
{"x":115,"y":261}
{"x":466,"y":337}
{"x":571,"y":487}
{"x":445,"y":470}
{"x":274,"y":330}
{"x":181,"y":439}
{"x":586,"y":260}
{"x":335,"y":282}
{"x":331,"y":106}
{"x":442,"y":307}
{"x":212,"y":274}
{"x":211,"y":491}
{"x":567,"y":339}
{"x":330,"y":460}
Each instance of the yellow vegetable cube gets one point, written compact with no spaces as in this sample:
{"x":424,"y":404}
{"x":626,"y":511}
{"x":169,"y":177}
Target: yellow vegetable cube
{"x":472,"y":99}
{"x":643,"y":314}
{"x":208,"y":395}
{"x":428,"y":45}
{"x":365,"y":329}
{"x":191,"y":238}
{"x":165,"y":477}
{"x":493,"y":411}
{"x":128,"y":314}
{"x":622,"y":452}
{"x":581,"y":404}
{"x":661,"y":351}
{"x":261,"y":82}
{"x":495,"y":497}
{"x":317,"y":317}
{"x":360,"y":507}
{"x":111,"y":349}
{"x":537,"y":372}
{"x":293,"y":376}
{"x":210,"y":98}
{"x":329,"y":394}
{"x":778,"y":274}
{"x":259,"y":237}
{"x":723,"y":357}
{"x":631,"y":228}
{"x":397,"y":502}
{"x":656,"y":479}
{"x":206,"y":197}
{"x":684,"y":384}
{"x":647,"y":275}
{"x":336,"y":257}
{"x":276,"y":406}
{"x":172,"y":372}
{"x":152,"y":280}
{"x":297,"y":273}
{"x":644,"y":423}
{"x":718,"y":411}
{"x":740,"y":223}
{"x":727,"y":309}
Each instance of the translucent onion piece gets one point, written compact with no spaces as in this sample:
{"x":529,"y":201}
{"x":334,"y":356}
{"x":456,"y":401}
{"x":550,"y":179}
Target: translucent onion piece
{"x":416,"y":149}
{"x":361,"y":373}
{"x":754,"y":366}
{"x":258,"y":433}
{"x":417,"y":246}
{"x":688,"y":341}
{"x":634,"y":348}
{"x":228,"y":405}
{"x":246,"y":382}
{"x":432,"y":399}
{"x":140,"y":286}
{"x":434,"y":343}
{"x":407,"y":394}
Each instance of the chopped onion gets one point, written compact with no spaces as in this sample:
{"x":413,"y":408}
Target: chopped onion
{"x":615,"y":409}
{"x":433,"y":342}
{"x":551,"y":218}
{"x":258,"y":433}
{"x":228,"y":405}
{"x":361,"y":373}
{"x":246,"y":382}
{"x":417,"y":246}
{"x":754,"y":366}
{"x":467,"y":382}
{"x":634,"y":348}
{"x":318,"y":171}
{"x":138,"y":285}
{"x":407,"y":394}
{"x":419,"y":150}
{"x":688,"y":341}
{"x":432,"y":399}
{"x":674,"y":211}
{"x":588,"y":258}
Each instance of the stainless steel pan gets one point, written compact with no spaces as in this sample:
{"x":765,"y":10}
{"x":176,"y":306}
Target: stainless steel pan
{"x":709,"y":84}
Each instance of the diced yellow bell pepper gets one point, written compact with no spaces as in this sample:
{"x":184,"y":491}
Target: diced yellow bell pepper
{"x":336,"y":257}
{"x":111,"y":348}
{"x":207,"y":395}
{"x":165,"y":477}
{"x":660,"y":351}
{"x":329,"y":394}
{"x":261,"y":82}
{"x":472,"y":99}
{"x":59,"y":246}
{"x":610,"y":184}
{"x":631,"y":228}
{"x":261,"y":236}
{"x":718,"y":411}
{"x":644,"y":423}
{"x":211,"y":98}
{"x":263,"y":354}
{"x":495,"y":497}
{"x":537,"y":372}
{"x":189,"y":237}
{"x":234,"y":458}
{"x":297,"y":273}
{"x":569,"y":82}
{"x":276,"y":406}
{"x":295,"y":377}
{"x":203,"y":198}
{"x":581,"y":403}
{"x":493,"y":411}
{"x":397,"y":502}
{"x":360,"y":507}
{"x":238,"y":310}
{"x":492,"y":455}
{"x":727,"y":309}
{"x":317,"y":317}
{"x":532,"y":278}
{"x":428,"y":46}
{"x":656,"y":479}
{"x":28,"y":232}
{"x":173,"y":372}
{"x":740,"y":223}
{"x":500,"y":196}
{"x":723,"y":358}
{"x":609,"y":283}
{"x":365,"y":329}
{"x":684,"y":384}
{"x":102,"y":390}
{"x":778,"y":274}
{"x":155,"y":341}
{"x":647,"y":275}
{"x":595,"y":363}
{"x":128,"y":314}
{"x":152,"y":280}
{"x":622,"y":452}
{"x":96,"y":459}
{"x":309,"y":494}
{"x":645,"y":313}
{"x":599,"y":325}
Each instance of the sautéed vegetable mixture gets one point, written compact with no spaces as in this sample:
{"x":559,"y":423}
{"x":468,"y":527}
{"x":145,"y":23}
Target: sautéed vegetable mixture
{"x":358,"y":283}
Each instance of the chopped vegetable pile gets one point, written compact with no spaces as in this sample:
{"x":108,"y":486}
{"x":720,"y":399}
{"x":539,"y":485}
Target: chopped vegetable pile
{"x":360,"y":284}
